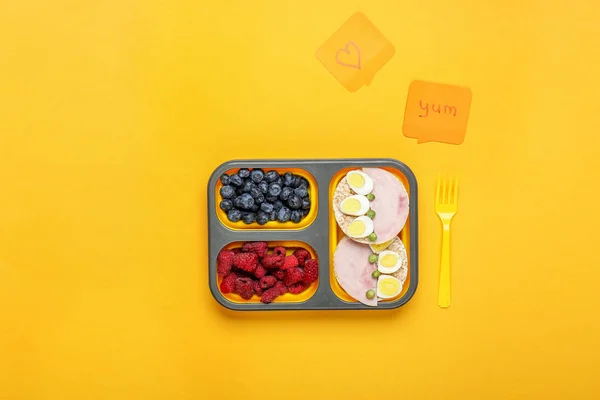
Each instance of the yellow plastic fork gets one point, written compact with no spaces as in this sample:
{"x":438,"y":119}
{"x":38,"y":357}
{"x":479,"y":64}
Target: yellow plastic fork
{"x":446,"y":206}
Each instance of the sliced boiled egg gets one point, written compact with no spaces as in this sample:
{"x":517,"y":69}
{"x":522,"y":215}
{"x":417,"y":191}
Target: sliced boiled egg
{"x":388,"y":286}
{"x":361,"y":227}
{"x":378,"y":248}
{"x":389,"y":262}
{"x":355,"y":205}
{"x":359,"y":182}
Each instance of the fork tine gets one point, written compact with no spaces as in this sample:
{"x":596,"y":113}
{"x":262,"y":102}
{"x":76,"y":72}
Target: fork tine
{"x":455,"y":194}
{"x":445,"y":191}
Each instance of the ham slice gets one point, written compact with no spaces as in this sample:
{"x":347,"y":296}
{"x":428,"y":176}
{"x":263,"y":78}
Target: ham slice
{"x":390,"y":204}
{"x":353,"y":270}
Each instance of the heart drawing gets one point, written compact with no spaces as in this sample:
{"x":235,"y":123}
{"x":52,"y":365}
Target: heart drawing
{"x":346,"y":50}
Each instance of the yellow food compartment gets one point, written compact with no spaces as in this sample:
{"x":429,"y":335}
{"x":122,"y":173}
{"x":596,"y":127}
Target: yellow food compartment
{"x":336,"y":234}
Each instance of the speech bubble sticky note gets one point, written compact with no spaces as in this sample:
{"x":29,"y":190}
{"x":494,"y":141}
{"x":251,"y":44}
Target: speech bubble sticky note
{"x":437,"y":112}
{"x":355,"y":52}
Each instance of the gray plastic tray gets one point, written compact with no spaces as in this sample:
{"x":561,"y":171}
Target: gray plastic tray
{"x":316,"y":234}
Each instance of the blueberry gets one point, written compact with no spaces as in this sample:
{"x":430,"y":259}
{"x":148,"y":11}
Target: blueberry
{"x":271,"y":176}
{"x":239,"y":190}
{"x":257,"y":175}
{"x":297,"y":181}
{"x":279,"y":180}
{"x":301,"y":191}
{"x":255,"y":207}
{"x":236,"y":180}
{"x":263,"y":186}
{"x":244,"y":173}
{"x":296,"y":216}
{"x":271,"y":199}
{"x":284,"y":214}
{"x":288,"y":179}
{"x":244,"y":201}
{"x":226,"y":205}
{"x":262,"y":218}
{"x":304,"y":182}
{"x":234,"y":215}
{"x":249,"y":218}
{"x":286,"y":192}
{"x":273,"y":216}
{"x":267,"y":207}
{"x":247,"y":185}
{"x":294,"y":202}
{"x":274,"y":189}
{"x":227,"y":191}
{"x":255,"y":192}
{"x":259,"y":199}
{"x":277,"y":205}
{"x":306,"y":204}
{"x":305,"y":212}
{"x":225,"y":179}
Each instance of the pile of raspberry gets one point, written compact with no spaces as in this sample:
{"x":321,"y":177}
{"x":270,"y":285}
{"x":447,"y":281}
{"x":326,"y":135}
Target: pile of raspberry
{"x":268,"y":274}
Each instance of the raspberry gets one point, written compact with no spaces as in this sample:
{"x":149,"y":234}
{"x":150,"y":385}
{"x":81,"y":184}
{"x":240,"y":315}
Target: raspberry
{"x":260,"y":248}
{"x":292,"y":275}
{"x":245,"y":288}
{"x":224,"y":262}
{"x":267,"y":281}
{"x":257,"y":289}
{"x":260,"y":271}
{"x":302,"y":255}
{"x":280,"y":288}
{"x":236,"y":250}
{"x":280,"y":251}
{"x":246,"y":261}
{"x":289,"y":262}
{"x":279,"y":274}
{"x":269,"y":295}
{"x":228,"y":283}
{"x":243,"y":274}
{"x":311,"y":271}
{"x":298,"y":288}
{"x":271,"y":261}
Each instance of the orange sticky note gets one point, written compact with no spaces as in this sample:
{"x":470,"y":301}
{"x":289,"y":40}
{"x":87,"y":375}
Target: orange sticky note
{"x":437,"y":112}
{"x":355,"y":52}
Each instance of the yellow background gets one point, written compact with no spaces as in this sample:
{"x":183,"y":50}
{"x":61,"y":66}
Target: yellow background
{"x":114,"y":113}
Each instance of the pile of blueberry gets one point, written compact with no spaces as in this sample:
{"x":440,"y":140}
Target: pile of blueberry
{"x":253,"y":195}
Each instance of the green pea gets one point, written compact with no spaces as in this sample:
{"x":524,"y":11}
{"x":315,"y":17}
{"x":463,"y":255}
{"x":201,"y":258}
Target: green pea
{"x":372,"y":237}
{"x":373,"y":258}
{"x":370,"y":294}
{"x":371,"y":214}
{"x":371,"y":196}
{"x":376,"y":274}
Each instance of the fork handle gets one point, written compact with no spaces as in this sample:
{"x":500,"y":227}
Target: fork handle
{"x":444,"y":288}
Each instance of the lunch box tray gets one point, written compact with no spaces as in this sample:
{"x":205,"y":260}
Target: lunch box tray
{"x":317,"y":232}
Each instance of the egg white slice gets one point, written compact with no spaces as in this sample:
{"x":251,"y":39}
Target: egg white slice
{"x":349,"y":204}
{"x":361,"y":227}
{"x":388,"y":286}
{"x":387,"y":255}
{"x":359,"y":182}
{"x":378,"y":248}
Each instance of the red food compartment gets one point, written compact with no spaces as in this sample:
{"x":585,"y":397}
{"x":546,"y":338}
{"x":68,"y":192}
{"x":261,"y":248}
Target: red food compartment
{"x":288,"y":297}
